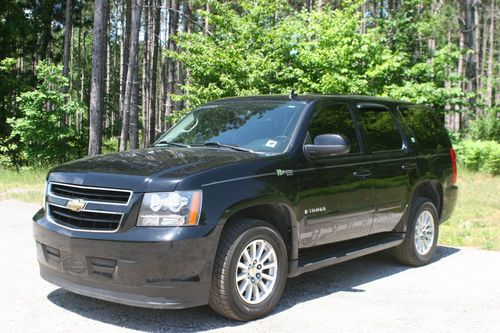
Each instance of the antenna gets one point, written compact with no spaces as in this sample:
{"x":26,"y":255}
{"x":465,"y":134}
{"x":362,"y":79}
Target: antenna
{"x":293,"y":94}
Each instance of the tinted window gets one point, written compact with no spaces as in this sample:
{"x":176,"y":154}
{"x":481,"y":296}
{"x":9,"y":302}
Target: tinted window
{"x":382,"y":132}
{"x":335,"y":119}
{"x":425,"y":127}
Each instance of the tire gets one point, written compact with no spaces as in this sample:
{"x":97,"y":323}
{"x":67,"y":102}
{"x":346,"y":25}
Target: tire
{"x":225,"y":297}
{"x":409,"y":252}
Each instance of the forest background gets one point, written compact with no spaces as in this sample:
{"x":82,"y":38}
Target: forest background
{"x":82,"y":77}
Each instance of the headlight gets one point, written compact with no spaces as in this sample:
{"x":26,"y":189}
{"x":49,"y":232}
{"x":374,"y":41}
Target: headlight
{"x":170,"y":209}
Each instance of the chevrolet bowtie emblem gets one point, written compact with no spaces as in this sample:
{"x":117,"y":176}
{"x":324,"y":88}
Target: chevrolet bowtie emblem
{"x":76,"y":205}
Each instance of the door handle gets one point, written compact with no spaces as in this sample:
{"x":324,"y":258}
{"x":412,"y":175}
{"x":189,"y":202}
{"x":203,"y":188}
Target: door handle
{"x":409,"y":166}
{"x":362,"y":173}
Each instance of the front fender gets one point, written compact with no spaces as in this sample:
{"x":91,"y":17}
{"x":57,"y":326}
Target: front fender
{"x":224,"y":200}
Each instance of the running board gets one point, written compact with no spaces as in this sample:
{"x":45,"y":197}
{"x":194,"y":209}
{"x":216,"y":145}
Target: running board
{"x":311,"y":259}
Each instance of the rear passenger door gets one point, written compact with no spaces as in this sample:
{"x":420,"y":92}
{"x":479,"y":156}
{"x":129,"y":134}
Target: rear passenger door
{"x":391,"y":163}
{"x":335,"y":192}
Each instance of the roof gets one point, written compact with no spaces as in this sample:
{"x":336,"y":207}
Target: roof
{"x":310,"y":98}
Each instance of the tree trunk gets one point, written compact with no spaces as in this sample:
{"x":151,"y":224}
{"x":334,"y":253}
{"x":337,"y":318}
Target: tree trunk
{"x":484,"y":48}
{"x":131,"y":75}
{"x":133,"y":132}
{"x":154,"y":68}
{"x":310,"y":4}
{"x":169,"y":105}
{"x":82,"y":81}
{"x":207,"y":8}
{"x":320,"y":5}
{"x":457,"y":122}
{"x":491,"y":53}
{"x":163,"y":78}
{"x":362,"y":27}
{"x":107,"y":109}
{"x":124,"y":55}
{"x":470,"y":48}
{"x":182,"y":26}
{"x":67,"y":38}
{"x":145,"y":75}
{"x":97,"y":77}
{"x":477,"y":53}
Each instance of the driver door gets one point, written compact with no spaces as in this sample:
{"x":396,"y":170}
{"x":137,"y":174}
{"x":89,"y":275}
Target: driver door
{"x":335,"y":192}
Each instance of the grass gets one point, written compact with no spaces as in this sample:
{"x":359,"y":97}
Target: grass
{"x":476,"y":219}
{"x":475,"y":222}
{"x":25,"y":185}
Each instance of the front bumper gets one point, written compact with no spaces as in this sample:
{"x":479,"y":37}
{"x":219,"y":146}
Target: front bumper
{"x":159,"y":271}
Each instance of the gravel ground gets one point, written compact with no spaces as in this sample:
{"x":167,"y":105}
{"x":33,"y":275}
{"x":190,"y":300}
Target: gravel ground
{"x":459,"y":291}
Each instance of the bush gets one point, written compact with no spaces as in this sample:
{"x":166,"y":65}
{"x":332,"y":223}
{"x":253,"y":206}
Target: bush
{"x":43,"y":131}
{"x":485,"y":128}
{"x":481,"y":156}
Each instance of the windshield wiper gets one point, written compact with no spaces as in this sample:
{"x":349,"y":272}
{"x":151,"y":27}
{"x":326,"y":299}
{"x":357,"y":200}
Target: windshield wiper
{"x":177,"y":144}
{"x":234,"y":147}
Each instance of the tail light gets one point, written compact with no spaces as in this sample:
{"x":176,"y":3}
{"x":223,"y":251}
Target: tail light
{"x":454,"y":166}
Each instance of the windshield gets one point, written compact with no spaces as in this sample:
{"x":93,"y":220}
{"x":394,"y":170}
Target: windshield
{"x":265,"y":126}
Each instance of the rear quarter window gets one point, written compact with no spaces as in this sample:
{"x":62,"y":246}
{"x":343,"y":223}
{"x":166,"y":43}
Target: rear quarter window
{"x":424,"y":127}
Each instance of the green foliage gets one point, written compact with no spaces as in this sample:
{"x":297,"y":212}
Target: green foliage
{"x":43,"y":136}
{"x":251,"y":51}
{"x":110,"y":145}
{"x":485,"y":128}
{"x":424,"y":82}
{"x":481,"y":156}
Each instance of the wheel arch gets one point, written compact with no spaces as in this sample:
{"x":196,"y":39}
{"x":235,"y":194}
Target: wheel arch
{"x":431,"y":189}
{"x":278,"y":214}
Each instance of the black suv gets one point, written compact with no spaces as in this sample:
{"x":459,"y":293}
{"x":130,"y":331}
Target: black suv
{"x":243,"y":193}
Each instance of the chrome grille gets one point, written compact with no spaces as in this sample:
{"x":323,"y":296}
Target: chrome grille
{"x":90,"y":193}
{"x":101,"y":209}
{"x":84,"y":220}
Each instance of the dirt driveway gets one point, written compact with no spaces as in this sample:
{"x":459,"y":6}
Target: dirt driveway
{"x":460,"y":291}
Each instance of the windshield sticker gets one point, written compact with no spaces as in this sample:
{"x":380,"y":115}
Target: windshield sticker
{"x":271,"y":143}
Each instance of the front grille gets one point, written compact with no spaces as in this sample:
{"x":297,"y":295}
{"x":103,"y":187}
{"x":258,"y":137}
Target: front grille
{"x":84,"y":220}
{"x":90,"y":193}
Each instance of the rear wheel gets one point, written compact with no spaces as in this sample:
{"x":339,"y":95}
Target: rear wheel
{"x":421,"y":236}
{"x":250,"y":270}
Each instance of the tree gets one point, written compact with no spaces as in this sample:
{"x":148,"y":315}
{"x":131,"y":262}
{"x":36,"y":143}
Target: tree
{"x":439,"y":52}
{"x":130,"y":107}
{"x":42,"y":137}
{"x":97,"y":88}
{"x":151,"y":121}
{"x":67,"y":37}
{"x":125,"y":21}
{"x":170,"y":62}
{"x":491,"y":52}
{"x":469,"y":30}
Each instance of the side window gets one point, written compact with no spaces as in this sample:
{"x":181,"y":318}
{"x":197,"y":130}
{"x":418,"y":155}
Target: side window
{"x":425,"y":127}
{"x":335,"y":119}
{"x":382,"y":133}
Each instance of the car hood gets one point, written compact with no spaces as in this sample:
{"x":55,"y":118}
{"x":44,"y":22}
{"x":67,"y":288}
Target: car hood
{"x":136,"y":169}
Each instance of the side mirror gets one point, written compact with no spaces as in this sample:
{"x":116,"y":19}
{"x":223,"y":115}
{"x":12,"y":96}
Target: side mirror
{"x":328,"y":145}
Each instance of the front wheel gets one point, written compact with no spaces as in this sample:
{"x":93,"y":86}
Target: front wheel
{"x":422,"y":234}
{"x":250,"y":270}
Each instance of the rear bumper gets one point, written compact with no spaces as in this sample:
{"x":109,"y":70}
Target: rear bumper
{"x":167,"y":274}
{"x":450,"y":195}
